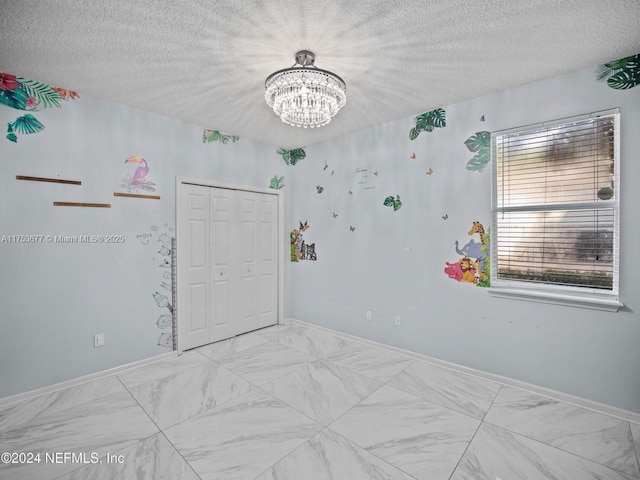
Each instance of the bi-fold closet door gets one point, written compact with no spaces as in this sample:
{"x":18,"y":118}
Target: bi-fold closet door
{"x":227,"y":263}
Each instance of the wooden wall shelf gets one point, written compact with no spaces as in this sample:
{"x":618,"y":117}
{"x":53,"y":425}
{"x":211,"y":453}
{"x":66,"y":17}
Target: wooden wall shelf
{"x":50,"y":180}
{"x":136,"y":195}
{"x":80,"y":204}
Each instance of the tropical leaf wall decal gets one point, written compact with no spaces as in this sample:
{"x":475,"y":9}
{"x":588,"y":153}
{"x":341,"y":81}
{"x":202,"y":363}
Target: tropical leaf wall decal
{"x":17,"y":98}
{"x":209,"y":136}
{"x":291,"y":157}
{"x":480,"y":144}
{"x":66,"y":94}
{"x":44,"y":95}
{"x":23,"y":94}
{"x":11,"y":136}
{"x":276,"y":182}
{"x":620,"y":74}
{"x":27,"y":124}
{"x":428,"y":121}
{"x":390,"y":201}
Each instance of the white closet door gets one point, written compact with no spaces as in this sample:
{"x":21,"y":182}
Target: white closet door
{"x":228,"y":267}
{"x":194,"y":266}
{"x":258,"y":253}
{"x":224,"y":264}
{"x":267,"y":313}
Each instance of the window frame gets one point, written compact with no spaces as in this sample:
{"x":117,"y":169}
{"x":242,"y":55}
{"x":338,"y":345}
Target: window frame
{"x":585,"y":297}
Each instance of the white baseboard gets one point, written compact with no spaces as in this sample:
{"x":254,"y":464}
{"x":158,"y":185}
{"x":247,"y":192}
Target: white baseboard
{"x":84,"y":379}
{"x":598,"y":407}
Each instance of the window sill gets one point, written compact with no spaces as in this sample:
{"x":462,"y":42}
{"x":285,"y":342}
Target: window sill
{"x":591,"y":302}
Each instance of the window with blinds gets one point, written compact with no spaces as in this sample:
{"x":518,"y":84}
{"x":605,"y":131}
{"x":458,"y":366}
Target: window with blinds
{"x":555,"y":205}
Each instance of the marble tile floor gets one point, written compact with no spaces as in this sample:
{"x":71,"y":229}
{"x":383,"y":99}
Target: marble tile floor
{"x":294,"y":402}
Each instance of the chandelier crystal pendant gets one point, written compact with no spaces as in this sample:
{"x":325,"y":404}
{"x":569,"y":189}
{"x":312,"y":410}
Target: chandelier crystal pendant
{"x":305,"y":95}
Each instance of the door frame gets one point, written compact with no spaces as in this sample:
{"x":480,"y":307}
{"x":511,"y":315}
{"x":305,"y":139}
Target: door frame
{"x":180,"y":181}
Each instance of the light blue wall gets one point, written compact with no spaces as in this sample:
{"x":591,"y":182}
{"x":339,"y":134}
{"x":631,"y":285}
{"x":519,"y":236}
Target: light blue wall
{"x":392,"y":263}
{"x":56,"y":296}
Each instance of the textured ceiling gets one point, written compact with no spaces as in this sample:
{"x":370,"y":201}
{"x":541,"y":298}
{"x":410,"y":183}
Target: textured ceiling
{"x":205,"y":61}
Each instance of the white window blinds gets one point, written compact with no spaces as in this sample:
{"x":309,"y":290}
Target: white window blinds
{"x":556,"y":204}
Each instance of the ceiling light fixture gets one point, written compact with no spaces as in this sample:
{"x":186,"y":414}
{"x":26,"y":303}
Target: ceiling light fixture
{"x":305,"y":95}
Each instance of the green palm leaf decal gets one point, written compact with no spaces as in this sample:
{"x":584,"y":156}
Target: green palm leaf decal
{"x":27,"y":124}
{"x":438,"y":118}
{"x":44,"y":94}
{"x":480,"y":144}
{"x":16,"y":98}
{"x":209,"y":136}
{"x":276,"y":183}
{"x":10,"y":135}
{"x":291,"y":157}
{"x":286,"y":155}
{"x":390,"y":201}
{"x":421,"y":121}
{"x":428,"y":121}
{"x":478,"y":141}
{"x":296,"y":155}
{"x":606,"y":71}
{"x":620,"y":74}
{"x":24,"y":125}
{"x":625,"y":79}
{"x":477,"y":164}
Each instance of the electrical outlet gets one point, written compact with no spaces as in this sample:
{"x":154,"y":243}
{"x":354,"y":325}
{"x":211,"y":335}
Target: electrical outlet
{"x":368,"y":315}
{"x":98,"y":340}
{"x":397,"y":320}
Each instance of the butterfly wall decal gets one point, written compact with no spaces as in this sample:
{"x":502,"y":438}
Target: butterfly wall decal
{"x":376,"y":173}
{"x":319,"y":188}
{"x":430,"y":172}
{"x":352,"y":228}
{"x":335,"y":215}
{"x":413,"y":156}
{"x":445,"y":216}
{"x":326,"y":165}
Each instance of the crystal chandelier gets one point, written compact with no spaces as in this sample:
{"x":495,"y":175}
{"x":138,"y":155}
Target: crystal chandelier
{"x":305,"y":95}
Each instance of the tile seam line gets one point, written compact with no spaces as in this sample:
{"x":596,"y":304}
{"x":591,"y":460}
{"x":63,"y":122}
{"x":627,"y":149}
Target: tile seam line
{"x":373,"y":454}
{"x":601,"y":408}
{"x":207,"y":409}
{"x":633,"y":441}
{"x":161,"y":431}
{"x":292,"y":451}
{"x":562,"y":450}
{"x":474,"y":434}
